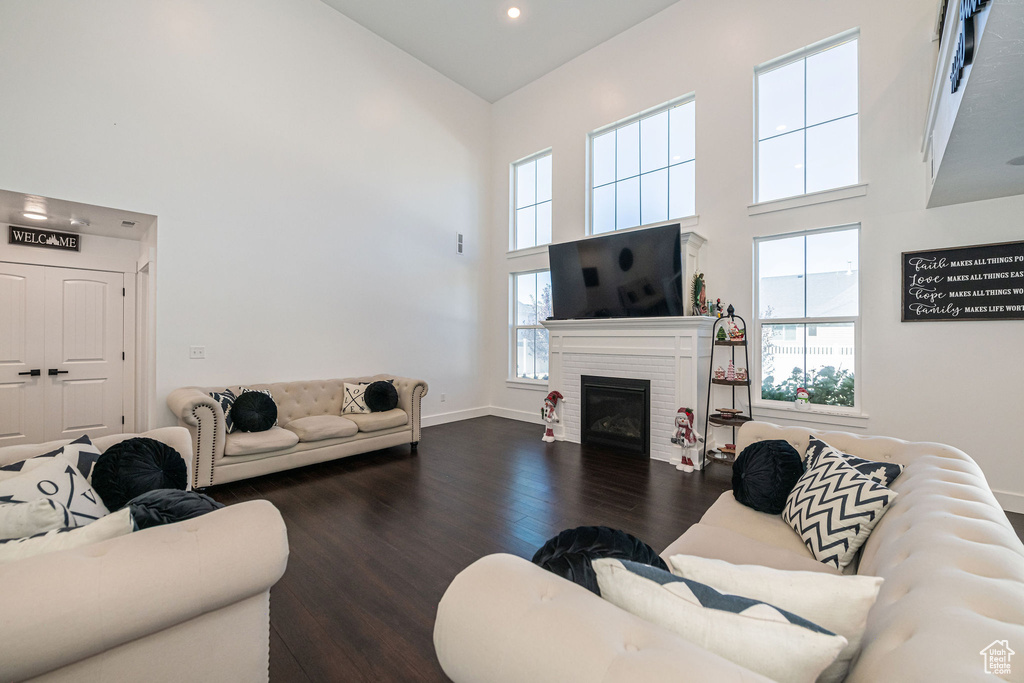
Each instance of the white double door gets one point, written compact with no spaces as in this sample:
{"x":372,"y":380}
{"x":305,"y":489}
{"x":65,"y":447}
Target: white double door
{"x":61,"y":353}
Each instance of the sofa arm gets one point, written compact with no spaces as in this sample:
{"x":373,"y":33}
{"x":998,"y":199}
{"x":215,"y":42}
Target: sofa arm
{"x":506,"y":619}
{"x":204,"y":418}
{"x":60,"y":608}
{"x":410,"y":395}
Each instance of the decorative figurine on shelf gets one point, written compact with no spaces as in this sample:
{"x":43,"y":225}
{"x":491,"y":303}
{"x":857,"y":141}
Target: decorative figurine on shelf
{"x":718,"y":308}
{"x":730,"y":374}
{"x":698,"y":296}
{"x":687,"y":438}
{"x":719,"y":373}
{"x":741,"y":374}
{"x":803,"y":398}
{"x":549,"y":414}
{"x":721,"y":334}
{"x":734,"y":331}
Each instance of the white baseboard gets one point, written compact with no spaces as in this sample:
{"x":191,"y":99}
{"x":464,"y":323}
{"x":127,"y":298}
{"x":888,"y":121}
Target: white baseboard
{"x":454,"y":416}
{"x":1011,"y":502}
{"x":521,"y":415}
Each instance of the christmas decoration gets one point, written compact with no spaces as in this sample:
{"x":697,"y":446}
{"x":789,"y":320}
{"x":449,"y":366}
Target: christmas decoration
{"x":730,"y":374}
{"x":698,"y":296}
{"x":549,"y":414}
{"x":803,"y":398}
{"x":686,"y":438}
{"x":721,"y":334}
{"x":734,"y":331}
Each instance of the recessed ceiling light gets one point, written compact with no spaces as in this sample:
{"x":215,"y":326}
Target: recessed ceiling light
{"x":34,"y":216}
{"x":780,"y":128}
{"x":1016,"y":161}
{"x":514,"y":12}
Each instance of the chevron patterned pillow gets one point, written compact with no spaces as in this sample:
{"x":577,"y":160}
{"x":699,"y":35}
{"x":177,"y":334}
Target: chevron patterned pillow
{"x":834,"y":507}
{"x":884,"y":473}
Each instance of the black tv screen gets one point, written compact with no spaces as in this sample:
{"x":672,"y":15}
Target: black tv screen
{"x":621,"y":275}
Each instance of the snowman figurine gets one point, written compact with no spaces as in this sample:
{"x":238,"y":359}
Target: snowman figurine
{"x":687,"y":438}
{"x":549,"y":414}
{"x":803,"y":397}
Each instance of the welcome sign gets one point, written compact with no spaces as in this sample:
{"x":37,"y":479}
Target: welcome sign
{"x":47,"y":239}
{"x":984,"y":282}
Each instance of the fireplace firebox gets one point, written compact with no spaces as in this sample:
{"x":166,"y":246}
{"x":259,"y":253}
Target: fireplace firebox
{"x":616,"y":412}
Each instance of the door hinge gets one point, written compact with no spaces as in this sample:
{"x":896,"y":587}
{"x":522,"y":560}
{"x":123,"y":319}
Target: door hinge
{"x":122,"y":355}
{"x":122,"y":419}
{"x":123,"y":292}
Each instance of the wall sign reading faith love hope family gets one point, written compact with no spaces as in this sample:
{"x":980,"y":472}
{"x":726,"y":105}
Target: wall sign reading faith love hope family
{"x":982,"y":282}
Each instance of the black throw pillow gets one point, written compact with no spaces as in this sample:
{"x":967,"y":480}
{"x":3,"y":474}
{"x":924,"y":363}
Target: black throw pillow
{"x":167,"y":506}
{"x":254,"y":411}
{"x":381,"y":396}
{"x":569,"y":554}
{"x":764,"y":474}
{"x":134,"y":466}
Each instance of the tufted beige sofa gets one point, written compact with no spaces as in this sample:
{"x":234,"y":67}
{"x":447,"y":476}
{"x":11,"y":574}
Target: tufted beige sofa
{"x":182,"y":602}
{"x":221,"y":457}
{"x":953,"y":569}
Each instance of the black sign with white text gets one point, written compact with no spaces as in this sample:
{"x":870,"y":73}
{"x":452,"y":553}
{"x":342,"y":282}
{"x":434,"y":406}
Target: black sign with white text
{"x":47,"y":239}
{"x":984,"y":282}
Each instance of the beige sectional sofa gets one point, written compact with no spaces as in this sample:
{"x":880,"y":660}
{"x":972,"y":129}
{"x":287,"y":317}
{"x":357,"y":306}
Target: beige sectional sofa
{"x":311,"y":428}
{"x":182,"y":602}
{"x":952,"y":564}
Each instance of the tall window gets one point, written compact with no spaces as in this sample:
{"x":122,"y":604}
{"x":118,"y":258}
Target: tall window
{"x":808,"y":310}
{"x":531,"y":201}
{"x":642,"y":170}
{"x":531,"y":304}
{"x":807,"y":129}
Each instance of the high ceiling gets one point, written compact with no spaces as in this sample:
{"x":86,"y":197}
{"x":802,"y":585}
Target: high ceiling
{"x":476,"y":44}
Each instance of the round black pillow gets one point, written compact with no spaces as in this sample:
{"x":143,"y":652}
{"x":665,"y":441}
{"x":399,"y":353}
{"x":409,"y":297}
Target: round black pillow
{"x":166,"y":506}
{"x":764,"y":474}
{"x":134,"y":466}
{"x":569,"y":553}
{"x":381,"y":396}
{"x":254,"y":411}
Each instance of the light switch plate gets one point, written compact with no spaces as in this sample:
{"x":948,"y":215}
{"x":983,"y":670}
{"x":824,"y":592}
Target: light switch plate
{"x":197,"y":352}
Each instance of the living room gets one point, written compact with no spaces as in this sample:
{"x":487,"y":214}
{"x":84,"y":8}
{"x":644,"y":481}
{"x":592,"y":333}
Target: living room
{"x":315,"y":201}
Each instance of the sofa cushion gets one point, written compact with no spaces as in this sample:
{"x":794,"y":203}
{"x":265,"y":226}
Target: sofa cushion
{"x":60,"y":480}
{"x":764,"y":474}
{"x":373,"y":422}
{"x":762,"y":637}
{"x":704,"y":540}
{"x":250,"y":443}
{"x":254,"y":411}
{"x":116,"y":524}
{"x":570,"y":553}
{"x":381,"y":396}
{"x":885,"y":473}
{"x":134,"y":466}
{"x":81,"y":453}
{"x":760,"y":526}
{"x":353,"y":400}
{"x":319,"y":427}
{"x":167,"y":506}
{"x":226,"y":399}
{"x":18,"y":520}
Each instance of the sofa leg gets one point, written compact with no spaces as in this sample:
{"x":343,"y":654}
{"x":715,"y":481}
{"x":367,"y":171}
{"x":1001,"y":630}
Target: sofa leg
{"x":414,"y":446}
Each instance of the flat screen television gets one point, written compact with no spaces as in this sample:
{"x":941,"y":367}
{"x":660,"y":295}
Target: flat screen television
{"x":633,"y":274}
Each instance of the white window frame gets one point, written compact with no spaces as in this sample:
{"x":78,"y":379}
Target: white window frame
{"x":653,"y":111}
{"x":514,"y":186}
{"x":857,"y":408}
{"x":785,"y":60}
{"x":514,"y":327}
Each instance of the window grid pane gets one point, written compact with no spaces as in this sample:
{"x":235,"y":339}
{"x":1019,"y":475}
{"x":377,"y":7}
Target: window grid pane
{"x":532,"y":203}
{"x":630,"y":186}
{"x":532,"y":299}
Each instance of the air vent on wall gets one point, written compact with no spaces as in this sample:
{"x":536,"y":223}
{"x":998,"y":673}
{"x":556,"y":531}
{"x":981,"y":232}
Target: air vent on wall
{"x":127,"y":224}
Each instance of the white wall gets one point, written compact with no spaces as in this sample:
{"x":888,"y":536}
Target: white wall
{"x":309,"y":180}
{"x":958,"y":383}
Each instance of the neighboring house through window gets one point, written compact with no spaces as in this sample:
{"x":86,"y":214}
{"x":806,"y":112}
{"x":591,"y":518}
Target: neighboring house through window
{"x":806,"y":120}
{"x":531,"y":201}
{"x":531,"y":304}
{"x":642,"y":170}
{"x":808,"y":314}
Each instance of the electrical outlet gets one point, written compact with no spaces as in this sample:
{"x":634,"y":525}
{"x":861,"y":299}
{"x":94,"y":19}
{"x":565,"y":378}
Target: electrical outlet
{"x":444,"y":397}
{"x":197,"y":352}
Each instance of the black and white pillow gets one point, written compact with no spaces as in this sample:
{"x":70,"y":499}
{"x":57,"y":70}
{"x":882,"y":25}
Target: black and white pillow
{"x":243,"y":390}
{"x":81,"y":453}
{"x":884,"y":473}
{"x":226,"y":399}
{"x":58,"y":479}
{"x":353,"y":400}
{"x":18,"y":520}
{"x":113,"y":525}
{"x":834,"y":507}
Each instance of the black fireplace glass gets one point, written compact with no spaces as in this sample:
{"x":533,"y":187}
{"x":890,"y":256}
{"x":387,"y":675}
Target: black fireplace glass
{"x":616,"y":412}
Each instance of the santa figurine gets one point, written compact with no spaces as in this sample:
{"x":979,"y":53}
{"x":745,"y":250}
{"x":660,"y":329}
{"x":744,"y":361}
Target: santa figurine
{"x":549,"y":414}
{"x":687,"y":438}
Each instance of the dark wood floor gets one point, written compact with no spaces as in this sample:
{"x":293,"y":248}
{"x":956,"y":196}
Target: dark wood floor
{"x":376,"y":539}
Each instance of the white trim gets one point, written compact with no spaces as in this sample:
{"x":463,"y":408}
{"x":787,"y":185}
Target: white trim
{"x":807,"y":51}
{"x":1011,"y":502}
{"x":454,"y":416}
{"x":821,"y":197}
{"x":815,"y":415}
{"x":528,"y":251}
{"x":520,"y":415}
{"x":129,"y":349}
{"x":513,"y":326}
{"x":533,"y":384}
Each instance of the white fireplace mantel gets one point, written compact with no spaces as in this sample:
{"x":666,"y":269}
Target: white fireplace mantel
{"x":672,"y":352}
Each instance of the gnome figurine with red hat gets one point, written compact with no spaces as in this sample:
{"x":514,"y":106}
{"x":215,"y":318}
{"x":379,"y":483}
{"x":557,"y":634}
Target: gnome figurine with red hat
{"x":687,"y":438}
{"x":549,"y":414}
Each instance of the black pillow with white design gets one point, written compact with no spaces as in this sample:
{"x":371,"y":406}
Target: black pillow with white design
{"x":353,"y":398}
{"x":884,"y":473}
{"x":81,"y":453}
{"x":58,"y":479}
{"x":226,"y":399}
{"x":761,"y":637}
{"x":834,"y":507}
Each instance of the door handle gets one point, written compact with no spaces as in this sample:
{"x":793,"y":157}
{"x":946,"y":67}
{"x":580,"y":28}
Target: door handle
{"x":54,"y":372}
{"x":32,"y":373}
